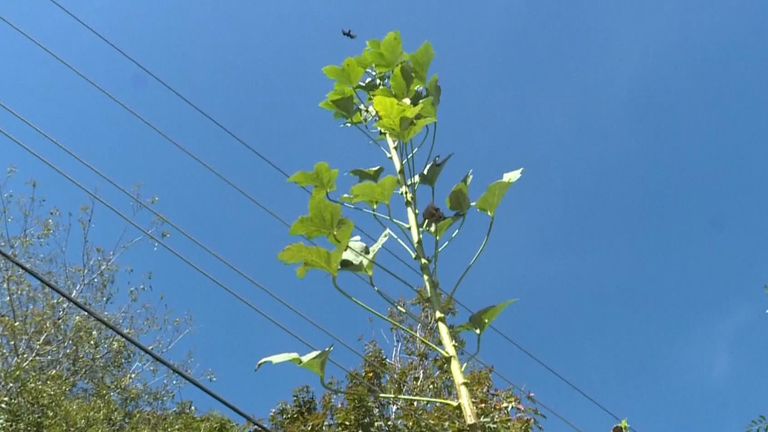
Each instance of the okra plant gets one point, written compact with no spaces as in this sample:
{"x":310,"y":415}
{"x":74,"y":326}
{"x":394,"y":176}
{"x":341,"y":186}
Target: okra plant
{"x":390,"y":97}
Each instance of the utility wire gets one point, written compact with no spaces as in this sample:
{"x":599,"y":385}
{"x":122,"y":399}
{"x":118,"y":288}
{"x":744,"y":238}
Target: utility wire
{"x":170,"y":223}
{"x":173,"y":251}
{"x":170,"y":249}
{"x":147,"y":123}
{"x":181,"y":230}
{"x":146,"y":350}
{"x":271,"y":164}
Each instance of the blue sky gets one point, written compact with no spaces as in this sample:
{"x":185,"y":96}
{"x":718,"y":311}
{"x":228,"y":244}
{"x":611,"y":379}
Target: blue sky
{"x":636,"y":241}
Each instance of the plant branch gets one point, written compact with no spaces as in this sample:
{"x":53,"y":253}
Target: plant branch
{"x":474,"y":259}
{"x":385,"y":318}
{"x":446,"y":338}
{"x":454,"y":234}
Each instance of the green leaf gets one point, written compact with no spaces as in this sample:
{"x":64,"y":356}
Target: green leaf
{"x":385,"y":54}
{"x":314,"y":361}
{"x":415,"y":128}
{"x":458,"y":199}
{"x":432,"y":171}
{"x":310,"y":258}
{"x":358,"y":257}
{"x":348,"y":74}
{"x":392,"y":112}
{"x":421,"y":60}
{"x":322,"y":178}
{"x":373,"y":193}
{"x":369,"y":174}
{"x":492,"y":197}
{"x":482,"y":319}
{"x":434,"y":90}
{"x":402,"y":80}
{"x":439,"y":229}
{"x":444,"y":226}
{"x":342,"y":103}
{"x":324,"y":220}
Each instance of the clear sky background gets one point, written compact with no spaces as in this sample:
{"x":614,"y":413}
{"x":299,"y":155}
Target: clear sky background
{"x":636,"y":241}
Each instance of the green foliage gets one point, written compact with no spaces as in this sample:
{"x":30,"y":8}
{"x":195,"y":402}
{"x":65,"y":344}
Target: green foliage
{"x":458,"y":199}
{"x":373,"y":193}
{"x":367,"y":174}
{"x":760,"y":424}
{"x":323,"y":178}
{"x":59,"y":369}
{"x":358,"y":257}
{"x":324,"y":220}
{"x":311,"y":258}
{"x":396,"y":94}
{"x":390,"y":97}
{"x":410,"y":369}
{"x":482,"y":319}
{"x":432,"y":171}
{"x":314,"y":361}
{"x":400,"y":119}
{"x":490,"y":200}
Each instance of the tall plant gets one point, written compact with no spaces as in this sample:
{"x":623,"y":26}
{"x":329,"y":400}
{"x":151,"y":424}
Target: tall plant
{"x":389,"y":95}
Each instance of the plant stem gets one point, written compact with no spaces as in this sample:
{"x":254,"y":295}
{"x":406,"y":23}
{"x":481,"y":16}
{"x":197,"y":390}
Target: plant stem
{"x":392,"y":396}
{"x":474,"y":259}
{"x":446,"y":338}
{"x":373,"y":311}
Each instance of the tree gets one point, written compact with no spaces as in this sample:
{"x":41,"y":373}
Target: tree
{"x":389,"y":96}
{"x":409,"y":368}
{"x":62,"y":371}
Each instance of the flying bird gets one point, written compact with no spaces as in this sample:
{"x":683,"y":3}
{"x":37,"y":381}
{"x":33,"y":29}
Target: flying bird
{"x":348,"y":33}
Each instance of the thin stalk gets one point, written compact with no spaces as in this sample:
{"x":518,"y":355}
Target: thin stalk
{"x":400,"y":241}
{"x":365,"y":210}
{"x":454,"y":234}
{"x":431,"y":146}
{"x":390,"y":396}
{"x":393,"y":303}
{"x":372,"y":140}
{"x":474,"y":258}
{"x":402,"y":228}
{"x":385,"y":318}
{"x":387,"y":298}
{"x":419,"y":399}
{"x":446,"y":338}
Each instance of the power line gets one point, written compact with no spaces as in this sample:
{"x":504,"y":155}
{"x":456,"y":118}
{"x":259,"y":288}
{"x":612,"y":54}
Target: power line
{"x":173,"y":251}
{"x":170,"y":249}
{"x":170,"y":223}
{"x":270,"y":163}
{"x":181,"y":230}
{"x":146,"y":350}
{"x":149,"y":124}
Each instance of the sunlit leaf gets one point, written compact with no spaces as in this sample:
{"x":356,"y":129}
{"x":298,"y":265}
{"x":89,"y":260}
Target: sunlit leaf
{"x":421,"y":60}
{"x":492,"y":197}
{"x":432,"y":171}
{"x":324,"y":220}
{"x":358,"y":257}
{"x":434,"y":90}
{"x":458,"y":199}
{"x":311,"y":258}
{"x":368,"y":174}
{"x":323,"y":177}
{"x":348,"y":74}
{"x":314,"y":361}
{"x":342,"y":102}
{"x":482,"y":319}
{"x":372,"y":193}
{"x":385,"y":54}
{"x":444,"y":225}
